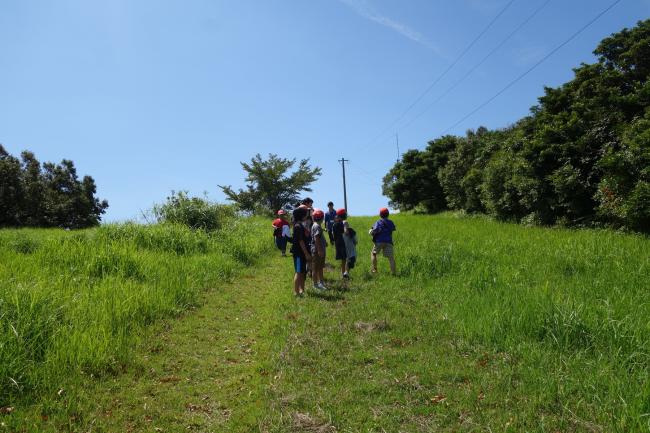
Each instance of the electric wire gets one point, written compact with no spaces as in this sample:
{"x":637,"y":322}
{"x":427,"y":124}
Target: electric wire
{"x":478,"y":65}
{"x":532,"y":68}
{"x":367,"y":177}
{"x":443,"y":74}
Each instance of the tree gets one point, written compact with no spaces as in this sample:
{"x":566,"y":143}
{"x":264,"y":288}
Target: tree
{"x":33,"y":203}
{"x":50,"y":195}
{"x":582,"y":157}
{"x":269,"y":185}
{"x":413,"y":181}
{"x":10,"y":188}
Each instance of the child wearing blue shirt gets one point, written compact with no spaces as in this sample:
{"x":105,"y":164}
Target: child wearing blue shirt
{"x":330,"y":216}
{"x":382,"y":238}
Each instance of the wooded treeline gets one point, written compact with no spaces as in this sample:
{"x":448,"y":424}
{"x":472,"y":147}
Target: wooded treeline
{"x":582,"y":157}
{"x":46,"y":195}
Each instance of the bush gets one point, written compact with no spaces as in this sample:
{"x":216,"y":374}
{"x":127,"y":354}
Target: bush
{"x":193,"y":212}
{"x":637,"y":207}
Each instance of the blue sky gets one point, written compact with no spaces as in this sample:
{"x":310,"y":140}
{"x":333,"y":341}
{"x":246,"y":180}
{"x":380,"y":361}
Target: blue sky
{"x":149,"y":96}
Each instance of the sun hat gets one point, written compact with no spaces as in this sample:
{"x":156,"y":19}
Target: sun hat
{"x":383,"y":212}
{"x":341,"y":212}
{"x":281,"y":212}
{"x":318,"y":214}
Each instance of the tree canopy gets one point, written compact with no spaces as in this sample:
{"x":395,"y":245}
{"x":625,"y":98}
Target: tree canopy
{"x":47,"y":195}
{"x":270,"y":186}
{"x":582,"y":157}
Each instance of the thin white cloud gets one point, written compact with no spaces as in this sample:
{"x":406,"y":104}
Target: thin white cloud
{"x":364,"y":9}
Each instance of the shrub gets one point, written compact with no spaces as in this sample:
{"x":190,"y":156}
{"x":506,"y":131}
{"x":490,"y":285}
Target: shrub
{"x":193,"y":212}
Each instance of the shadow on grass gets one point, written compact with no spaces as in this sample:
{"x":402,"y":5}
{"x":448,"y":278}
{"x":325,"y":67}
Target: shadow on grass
{"x":329,"y":295}
{"x":340,"y":285}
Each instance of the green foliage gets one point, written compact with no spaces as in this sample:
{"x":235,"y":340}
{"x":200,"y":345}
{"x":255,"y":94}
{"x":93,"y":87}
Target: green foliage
{"x":581,"y":158}
{"x":193,"y":212}
{"x":413,"y":181}
{"x":75,"y":303}
{"x":269,"y":186}
{"x":47,"y":196}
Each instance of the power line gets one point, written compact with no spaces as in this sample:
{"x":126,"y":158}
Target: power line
{"x":546,"y":57}
{"x":366,"y":175}
{"x":478,"y":65}
{"x":366,"y":181}
{"x":442,"y":75}
{"x":397,"y":144}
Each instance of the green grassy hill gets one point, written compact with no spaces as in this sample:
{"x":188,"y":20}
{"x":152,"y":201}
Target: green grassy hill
{"x":488,"y":327}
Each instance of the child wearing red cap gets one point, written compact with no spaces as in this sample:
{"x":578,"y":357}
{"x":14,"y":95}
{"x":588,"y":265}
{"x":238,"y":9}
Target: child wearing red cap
{"x":382,"y":238}
{"x":281,"y":232}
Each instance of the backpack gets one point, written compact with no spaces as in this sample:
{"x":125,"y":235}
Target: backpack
{"x":381,"y":226}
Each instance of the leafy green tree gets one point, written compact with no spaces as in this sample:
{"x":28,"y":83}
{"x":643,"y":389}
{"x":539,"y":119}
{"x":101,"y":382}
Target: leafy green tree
{"x":10,"y":188}
{"x":50,"y":195}
{"x":270,"y":186}
{"x":413,"y":181}
{"x":509,"y":190}
{"x":627,"y":171}
{"x":461,"y":176}
{"x":69,"y":202}
{"x":33,"y":201}
{"x":582,"y":157}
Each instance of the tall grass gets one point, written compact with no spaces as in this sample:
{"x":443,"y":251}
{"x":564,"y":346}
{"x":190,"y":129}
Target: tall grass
{"x":75,"y":303}
{"x":571,"y":308}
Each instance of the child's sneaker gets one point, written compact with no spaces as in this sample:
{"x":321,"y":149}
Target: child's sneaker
{"x":321,"y":286}
{"x":346,"y":276}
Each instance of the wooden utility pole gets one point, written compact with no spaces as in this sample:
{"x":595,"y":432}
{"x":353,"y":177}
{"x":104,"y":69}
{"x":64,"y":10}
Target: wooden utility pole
{"x":345,"y":193}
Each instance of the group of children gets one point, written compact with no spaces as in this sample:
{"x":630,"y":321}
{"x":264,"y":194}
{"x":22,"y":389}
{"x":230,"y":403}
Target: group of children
{"x":309,"y":245}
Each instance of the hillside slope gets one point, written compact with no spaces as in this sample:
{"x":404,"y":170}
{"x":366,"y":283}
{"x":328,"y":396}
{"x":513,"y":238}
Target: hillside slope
{"x":488,"y":327}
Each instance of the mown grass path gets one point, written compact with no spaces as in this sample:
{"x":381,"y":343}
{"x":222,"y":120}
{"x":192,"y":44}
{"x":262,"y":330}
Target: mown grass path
{"x":207,"y":371}
{"x":362,"y":357}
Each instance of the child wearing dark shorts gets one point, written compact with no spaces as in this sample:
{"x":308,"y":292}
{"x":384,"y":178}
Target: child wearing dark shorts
{"x":299,"y":250}
{"x":338,"y":229}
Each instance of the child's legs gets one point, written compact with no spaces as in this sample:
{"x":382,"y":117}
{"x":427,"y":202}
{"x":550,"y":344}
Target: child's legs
{"x":344,"y":267}
{"x":318,"y":269}
{"x":281,"y":243}
{"x":299,"y":277}
{"x":389,"y":254}
{"x":373,"y":258}
{"x":297,"y":284}
{"x":391,"y":260}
